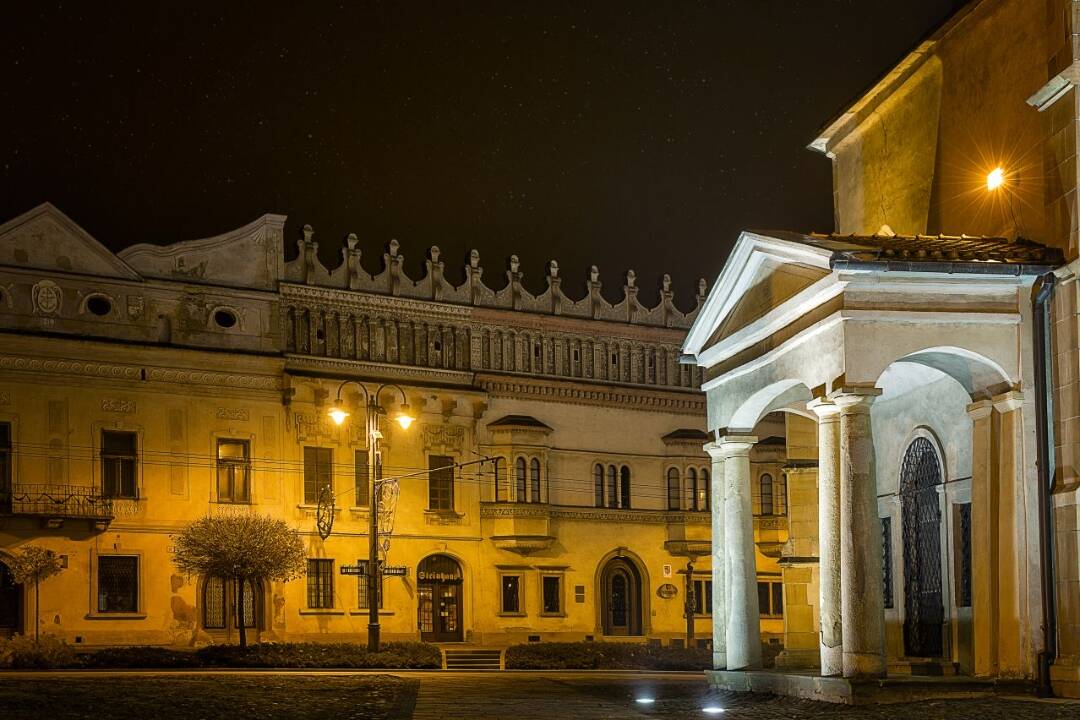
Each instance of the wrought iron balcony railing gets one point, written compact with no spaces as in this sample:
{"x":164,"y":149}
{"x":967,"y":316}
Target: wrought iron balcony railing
{"x":57,"y":501}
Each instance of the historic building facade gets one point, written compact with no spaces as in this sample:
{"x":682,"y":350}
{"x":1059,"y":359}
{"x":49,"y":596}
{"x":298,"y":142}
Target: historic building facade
{"x":143,"y":390}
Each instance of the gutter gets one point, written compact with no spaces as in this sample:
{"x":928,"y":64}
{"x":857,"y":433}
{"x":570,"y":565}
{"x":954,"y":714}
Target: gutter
{"x":1044,"y":432}
{"x":947,"y":268}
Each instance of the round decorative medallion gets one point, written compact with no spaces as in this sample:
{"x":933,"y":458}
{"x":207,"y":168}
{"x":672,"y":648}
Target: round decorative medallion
{"x":667,"y":591}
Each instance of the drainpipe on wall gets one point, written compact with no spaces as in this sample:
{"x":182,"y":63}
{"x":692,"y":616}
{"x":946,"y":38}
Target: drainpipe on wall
{"x":1044,"y":414}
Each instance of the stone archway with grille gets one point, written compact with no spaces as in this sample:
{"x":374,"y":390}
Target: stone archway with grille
{"x":924,"y":610}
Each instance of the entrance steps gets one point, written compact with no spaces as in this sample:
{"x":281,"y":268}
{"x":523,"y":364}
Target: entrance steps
{"x":471,"y":659}
{"x":923,"y":667}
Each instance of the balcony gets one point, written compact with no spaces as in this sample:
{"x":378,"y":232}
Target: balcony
{"x":54,"y":504}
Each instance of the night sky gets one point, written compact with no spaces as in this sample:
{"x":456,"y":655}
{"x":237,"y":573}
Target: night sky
{"x":639,"y":135}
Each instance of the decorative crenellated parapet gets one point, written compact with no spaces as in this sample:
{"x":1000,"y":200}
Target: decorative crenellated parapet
{"x":394,"y":281}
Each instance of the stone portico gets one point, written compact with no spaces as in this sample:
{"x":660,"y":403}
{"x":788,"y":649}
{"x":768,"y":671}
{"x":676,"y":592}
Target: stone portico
{"x":914,"y":357}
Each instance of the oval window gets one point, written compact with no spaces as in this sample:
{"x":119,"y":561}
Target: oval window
{"x":99,"y":305}
{"x":225,"y":318}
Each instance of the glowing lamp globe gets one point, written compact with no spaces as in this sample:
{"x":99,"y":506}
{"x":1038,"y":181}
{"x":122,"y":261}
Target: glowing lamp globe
{"x":338,"y":414}
{"x":404,"y":417}
{"x":995,"y":179}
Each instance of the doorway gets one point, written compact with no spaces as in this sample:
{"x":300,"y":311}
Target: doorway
{"x":924,"y":610}
{"x":620,"y":598}
{"x":439,"y":583}
{"x":11,"y":594}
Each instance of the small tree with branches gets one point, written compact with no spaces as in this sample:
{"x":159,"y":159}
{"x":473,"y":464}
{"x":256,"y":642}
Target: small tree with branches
{"x":34,"y":563}
{"x":242,"y":548}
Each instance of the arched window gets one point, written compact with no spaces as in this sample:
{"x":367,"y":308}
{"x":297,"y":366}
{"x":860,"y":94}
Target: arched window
{"x":766,"y":486}
{"x":612,"y":487}
{"x":534,"y":480}
{"x":673,"y":489}
{"x":521,"y":486}
{"x":705,"y":491}
{"x":691,"y":483}
{"x":598,"y":484}
{"x":501,"y":488}
{"x":624,"y":487}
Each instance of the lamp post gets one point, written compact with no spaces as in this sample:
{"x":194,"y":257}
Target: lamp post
{"x":373,"y":410}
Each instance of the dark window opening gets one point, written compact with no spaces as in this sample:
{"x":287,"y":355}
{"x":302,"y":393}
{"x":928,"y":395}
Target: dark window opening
{"x":624,"y":486}
{"x":598,"y":485}
{"x":766,"y":489}
{"x":99,"y":305}
{"x":534,"y":480}
{"x":119,"y":453}
{"x":674,"y":502}
{"x":320,"y":583}
{"x":118,"y":584}
{"x":552,"y":590}
{"x":770,"y":599}
{"x":511,"y":594}
{"x":440,"y":482}
{"x":521,"y":480}
{"x":226,"y":319}
{"x":501,"y":488}
{"x":964,"y":576}
{"x":362,"y":478}
{"x":886,"y":561}
{"x":612,"y":491}
{"x":318,"y":473}
{"x":233,"y":471}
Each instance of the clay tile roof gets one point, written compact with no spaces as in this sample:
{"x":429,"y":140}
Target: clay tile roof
{"x":885,"y":248}
{"x":518,"y":421}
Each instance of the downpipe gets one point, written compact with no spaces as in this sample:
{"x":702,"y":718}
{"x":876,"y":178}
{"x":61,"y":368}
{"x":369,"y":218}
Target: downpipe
{"x":1044,"y":416}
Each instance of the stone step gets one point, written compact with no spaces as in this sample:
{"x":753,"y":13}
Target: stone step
{"x":472,"y":659}
{"x":923,"y":667}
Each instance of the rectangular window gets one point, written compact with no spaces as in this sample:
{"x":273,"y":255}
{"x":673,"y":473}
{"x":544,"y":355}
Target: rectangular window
{"x":770,"y":599}
{"x":118,"y":456}
{"x":320,"y":583}
{"x":233,"y":471}
{"x":362,"y":591}
{"x":703,"y":597}
{"x":511,"y":594}
{"x":440,"y":482}
{"x":318,"y":472}
{"x":963,"y":577}
{"x":552,"y":591}
{"x":214,"y":603}
{"x":362,"y":473}
{"x":886,"y":561}
{"x":579,"y":593}
{"x":118,"y":584}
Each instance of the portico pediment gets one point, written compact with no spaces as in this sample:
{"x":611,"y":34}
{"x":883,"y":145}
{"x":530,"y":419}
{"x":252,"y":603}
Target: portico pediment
{"x":46,"y":239}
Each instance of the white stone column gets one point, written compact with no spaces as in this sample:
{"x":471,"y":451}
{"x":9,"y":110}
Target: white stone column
{"x":831,"y":634}
{"x":862,"y":607}
{"x":984,"y":546}
{"x":744,"y":624}
{"x":719,"y":557}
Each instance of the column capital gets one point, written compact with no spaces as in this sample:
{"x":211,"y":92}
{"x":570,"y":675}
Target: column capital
{"x":980,"y":409}
{"x":824,"y":408}
{"x":1009,"y":401}
{"x":715,"y":451}
{"x":855,"y":398}
{"x":731,"y":445}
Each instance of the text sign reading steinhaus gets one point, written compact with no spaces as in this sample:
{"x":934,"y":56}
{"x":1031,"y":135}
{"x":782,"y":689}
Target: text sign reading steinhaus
{"x":439,"y":575}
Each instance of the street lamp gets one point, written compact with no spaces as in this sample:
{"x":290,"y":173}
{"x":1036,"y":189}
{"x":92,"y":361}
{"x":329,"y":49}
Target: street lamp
{"x":339,"y":414}
{"x":995,"y":179}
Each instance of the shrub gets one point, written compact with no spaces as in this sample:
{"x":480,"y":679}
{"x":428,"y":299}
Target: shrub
{"x":403,"y":655}
{"x":25,"y":653}
{"x":605,"y":656}
{"x":140,"y":657}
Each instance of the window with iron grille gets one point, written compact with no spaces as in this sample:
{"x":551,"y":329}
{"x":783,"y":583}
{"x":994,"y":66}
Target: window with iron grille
{"x":233,"y":471}
{"x":362,"y":593}
{"x":119,"y":453}
{"x":674,"y":501}
{"x":886,"y":561}
{"x":703,"y":597}
{"x":320,"y":583}
{"x":118,"y":584}
{"x":511,"y":594}
{"x":963,"y":577}
{"x":551,"y":586}
{"x":771,"y":599}
{"x":534,"y":480}
{"x":362,"y":478}
{"x":318,"y":472}
{"x":440,"y":482}
{"x":214,"y":603}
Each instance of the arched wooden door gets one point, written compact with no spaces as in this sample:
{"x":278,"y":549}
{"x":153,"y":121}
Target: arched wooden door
{"x":11,"y":594}
{"x":438,"y":587}
{"x":620,"y":598}
{"x":924,"y":611}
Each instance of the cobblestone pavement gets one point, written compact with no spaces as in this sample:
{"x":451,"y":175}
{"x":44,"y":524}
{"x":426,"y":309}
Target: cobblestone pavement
{"x":343,"y":695}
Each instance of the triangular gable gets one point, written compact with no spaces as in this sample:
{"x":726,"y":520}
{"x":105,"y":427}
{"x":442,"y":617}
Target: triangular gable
{"x":249,"y":257}
{"x":765,"y":276}
{"x":46,"y":239}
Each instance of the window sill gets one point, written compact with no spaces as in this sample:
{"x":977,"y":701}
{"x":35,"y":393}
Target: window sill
{"x":513,"y":614}
{"x":363,"y":612}
{"x":552,"y":615}
{"x":233,"y":502}
{"x":445,"y":513}
{"x":321,"y":611}
{"x":114,"y":616}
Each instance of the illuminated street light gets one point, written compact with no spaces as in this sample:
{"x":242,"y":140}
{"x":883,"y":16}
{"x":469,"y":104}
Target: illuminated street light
{"x":338,"y":414}
{"x":404,"y":417}
{"x":995,"y":179}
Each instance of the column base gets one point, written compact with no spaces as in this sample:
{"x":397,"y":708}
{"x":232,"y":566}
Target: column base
{"x":832,"y":661}
{"x":719,"y":660}
{"x":864,"y":665}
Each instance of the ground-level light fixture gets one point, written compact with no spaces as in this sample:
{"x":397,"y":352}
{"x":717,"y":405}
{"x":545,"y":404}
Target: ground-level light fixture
{"x":645,"y":700}
{"x":712,"y":710}
{"x":995,"y":179}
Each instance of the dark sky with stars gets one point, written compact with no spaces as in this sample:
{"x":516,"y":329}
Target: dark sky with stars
{"x":639,"y":135}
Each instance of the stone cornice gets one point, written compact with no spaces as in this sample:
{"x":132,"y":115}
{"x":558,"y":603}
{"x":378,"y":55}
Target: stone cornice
{"x":366,"y":369}
{"x":123,"y":371}
{"x":637,"y":398}
{"x":566,"y":512}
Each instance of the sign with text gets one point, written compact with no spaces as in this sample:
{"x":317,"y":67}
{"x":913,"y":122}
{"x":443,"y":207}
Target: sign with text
{"x":360,"y":568}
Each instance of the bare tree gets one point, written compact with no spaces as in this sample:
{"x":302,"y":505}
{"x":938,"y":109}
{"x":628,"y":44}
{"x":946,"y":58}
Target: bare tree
{"x":35,"y":563}
{"x":242,"y":548}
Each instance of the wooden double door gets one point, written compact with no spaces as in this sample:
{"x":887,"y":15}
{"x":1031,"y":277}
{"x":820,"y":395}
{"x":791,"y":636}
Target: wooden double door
{"x":439,"y":590}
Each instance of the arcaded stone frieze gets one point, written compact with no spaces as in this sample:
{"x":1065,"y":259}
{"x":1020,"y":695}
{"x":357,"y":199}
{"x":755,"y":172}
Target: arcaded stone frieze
{"x":568,"y":512}
{"x":308,"y":270}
